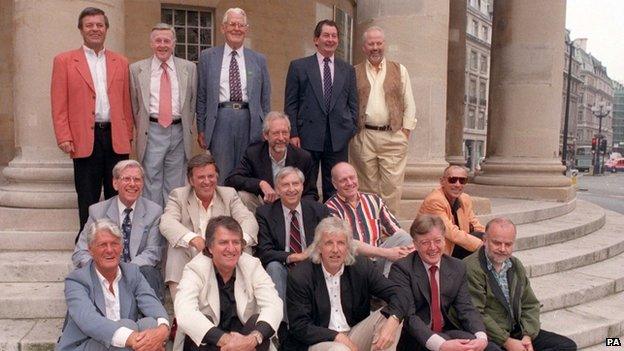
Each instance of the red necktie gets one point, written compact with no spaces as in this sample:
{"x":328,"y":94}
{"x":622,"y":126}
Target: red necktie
{"x":295,"y":233}
{"x":436,"y":315}
{"x":164,"y":100}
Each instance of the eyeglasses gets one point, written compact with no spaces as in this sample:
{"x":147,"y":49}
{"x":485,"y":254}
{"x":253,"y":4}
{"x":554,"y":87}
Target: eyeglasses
{"x":453,"y":180}
{"x":127,"y":179}
{"x":237,"y":25}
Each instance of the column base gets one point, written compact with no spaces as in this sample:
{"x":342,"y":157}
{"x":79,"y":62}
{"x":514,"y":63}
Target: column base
{"x":421,"y":178}
{"x":456,"y":160}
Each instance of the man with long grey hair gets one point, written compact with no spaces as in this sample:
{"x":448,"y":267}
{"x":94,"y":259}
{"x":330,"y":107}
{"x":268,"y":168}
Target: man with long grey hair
{"x":328,"y":297}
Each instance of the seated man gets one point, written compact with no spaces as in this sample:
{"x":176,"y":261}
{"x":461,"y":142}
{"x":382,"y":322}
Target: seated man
{"x":375,"y":229}
{"x":190,"y":208}
{"x":106,"y":297}
{"x":462,"y":228}
{"x":501,"y":291}
{"x":329,"y":297}
{"x":286,"y":227}
{"x":225,"y":299}
{"x":254,"y":176}
{"x":138,"y":219}
{"x":432,"y":285}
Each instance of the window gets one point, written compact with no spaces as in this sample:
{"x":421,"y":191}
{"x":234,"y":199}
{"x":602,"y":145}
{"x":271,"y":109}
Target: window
{"x":475,"y":28}
{"x":470,"y":123}
{"x":194,"y":29}
{"x":484,"y":64}
{"x":485,"y":31}
{"x":481,"y":121}
{"x":472,"y":91}
{"x":345,"y":27}
{"x":473,"y":60}
{"x":482,"y":94}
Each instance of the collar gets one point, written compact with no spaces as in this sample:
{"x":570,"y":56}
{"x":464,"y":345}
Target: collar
{"x":427,"y":265}
{"x":287,"y":210}
{"x":382,"y":65}
{"x":227,"y":50}
{"x":328,"y":275}
{"x":91,"y":52}
{"x":122,"y":207}
{"x":156,"y":63}
{"x":345,"y":201}
{"x":281,"y":162}
{"x":320,"y":58}
{"x":200,"y":202}
{"x":104,"y":281}
{"x":490,"y":266}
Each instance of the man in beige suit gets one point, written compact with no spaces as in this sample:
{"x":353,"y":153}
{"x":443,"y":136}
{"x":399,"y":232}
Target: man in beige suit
{"x":163,"y":90}
{"x":190,"y":208}
{"x":226,"y":300}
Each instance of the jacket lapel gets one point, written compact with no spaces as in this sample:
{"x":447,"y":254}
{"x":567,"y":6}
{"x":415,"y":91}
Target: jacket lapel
{"x":182,"y":74}
{"x":83,"y":67}
{"x":251,"y":71}
{"x":491,"y":281}
{"x":339,"y":81}
{"x":309,"y":222}
{"x":144,"y":81}
{"x":264,"y":161}
{"x":136,"y":234}
{"x":98,"y":294}
{"x":213,"y":293}
{"x":279,"y":224}
{"x":111,"y":69}
{"x":113,"y":211}
{"x":241,"y":293}
{"x":193,"y":211}
{"x":421,"y":276}
{"x":125,"y":302}
{"x":321,"y":296}
{"x":314,"y":75}
{"x":215,"y":71}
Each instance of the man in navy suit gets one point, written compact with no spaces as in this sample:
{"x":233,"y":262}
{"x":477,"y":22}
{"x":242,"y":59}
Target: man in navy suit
{"x":233,"y":94}
{"x":109,"y":303}
{"x":321,"y":101}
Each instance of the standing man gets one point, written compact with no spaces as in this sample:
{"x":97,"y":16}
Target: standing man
{"x":386,"y":117}
{"x":164,"y":92}
{"x":234,"y":94}
{"x":321,"y":101}
{"x":502,"y":293}
{"x":91,"y":110}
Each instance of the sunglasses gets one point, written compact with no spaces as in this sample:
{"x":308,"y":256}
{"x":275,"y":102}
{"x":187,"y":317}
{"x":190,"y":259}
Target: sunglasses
{"x":453,"y":180}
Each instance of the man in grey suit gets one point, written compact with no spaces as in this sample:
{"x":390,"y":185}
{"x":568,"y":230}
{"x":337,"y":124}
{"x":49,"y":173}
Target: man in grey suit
{"x":138,"y":218}
{"x":434,"y":286}
{"x":109,"y":303}
{"x":164,"y":92}
{"x":321,"y":101}
{"x":234,"y":94}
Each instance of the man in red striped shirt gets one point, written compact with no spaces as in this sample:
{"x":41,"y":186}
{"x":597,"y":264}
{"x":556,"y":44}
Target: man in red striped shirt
{"x":375,"y":229}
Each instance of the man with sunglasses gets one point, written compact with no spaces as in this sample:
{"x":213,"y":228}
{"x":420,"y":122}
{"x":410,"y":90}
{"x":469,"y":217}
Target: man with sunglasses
{"x":463,"y":229}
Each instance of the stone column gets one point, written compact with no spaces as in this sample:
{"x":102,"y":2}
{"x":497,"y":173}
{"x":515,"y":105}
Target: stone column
{"x":40,"y":175}
{"x":522,"y":158}
{"x":416,"y":36}
{"x":456,"y":83}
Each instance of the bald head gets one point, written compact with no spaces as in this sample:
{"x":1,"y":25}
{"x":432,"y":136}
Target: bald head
{"x":345,"y":180}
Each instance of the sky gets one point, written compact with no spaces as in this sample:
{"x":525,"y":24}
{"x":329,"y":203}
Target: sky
{"x":600,"y":21}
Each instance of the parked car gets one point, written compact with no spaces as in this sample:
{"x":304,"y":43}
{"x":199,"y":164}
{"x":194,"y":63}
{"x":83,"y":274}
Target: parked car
{"x":615,"y":165}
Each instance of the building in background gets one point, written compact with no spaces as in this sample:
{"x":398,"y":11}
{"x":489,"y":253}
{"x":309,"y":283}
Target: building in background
{"x":618,"y":117}
{"x":575,"y":84}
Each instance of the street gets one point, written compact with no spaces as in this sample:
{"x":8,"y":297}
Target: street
{"x":606,"y":191}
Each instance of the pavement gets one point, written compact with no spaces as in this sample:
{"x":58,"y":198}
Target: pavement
{"x":605,"y":190}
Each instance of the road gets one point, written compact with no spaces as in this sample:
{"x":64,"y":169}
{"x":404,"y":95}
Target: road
{"x":606,"y":191}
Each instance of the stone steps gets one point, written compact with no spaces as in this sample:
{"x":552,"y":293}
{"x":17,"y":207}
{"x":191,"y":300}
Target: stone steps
{"x":19,"y":240}
{"x":32,"y":300}
{"x":29,"y":334}
{"x":35,"y":266}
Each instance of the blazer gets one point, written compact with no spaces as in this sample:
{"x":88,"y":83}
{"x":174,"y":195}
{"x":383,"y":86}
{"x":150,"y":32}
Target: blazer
{"x":197,"y":307}
{"x":86,"y":307}
{"x":256,"y":166}
{"x":309,"y":307}
{"x":410,"y":274}
{"x":140,"y":79}
{"x":146,"y":243}
{"x":258,"y":91}
{"x":304,"y":104}
{"x":436,"y":204}
{"x":272,"y":228}
{"x":500,"y":319}
{"x":73,"y":102}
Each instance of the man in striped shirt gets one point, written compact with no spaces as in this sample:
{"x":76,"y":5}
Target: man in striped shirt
{"x":376,"y":230}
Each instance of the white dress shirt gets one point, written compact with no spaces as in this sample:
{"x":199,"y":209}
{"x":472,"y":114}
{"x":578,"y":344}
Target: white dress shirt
{"x":337,"y":319}
{"x":155,"y":76}
{"x":321,"y":63}
{"x":97,"y":67}
{"x":277,"y":165}
{"x":224,"y":80}
{"x":122,"y":207}
{"x":287,"y":219}
{"x":204,"y":216}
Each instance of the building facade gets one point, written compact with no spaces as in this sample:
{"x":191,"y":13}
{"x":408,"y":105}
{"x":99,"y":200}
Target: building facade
{"x":618,"y":117}
{"x":575,"y":83}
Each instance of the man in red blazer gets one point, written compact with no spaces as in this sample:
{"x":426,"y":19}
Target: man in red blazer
{"x":91,"y":110}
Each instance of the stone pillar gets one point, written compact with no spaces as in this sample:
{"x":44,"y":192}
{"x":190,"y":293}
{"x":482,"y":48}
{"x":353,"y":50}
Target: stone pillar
{"x":522,"y":158}
{"x":40,"y":175}
{"x":456,"y":83}
{"x":416,"y":36}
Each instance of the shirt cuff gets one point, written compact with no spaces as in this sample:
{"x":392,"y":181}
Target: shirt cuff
{"x":120,"y":337}
{"x":434,"y":342}
{"x":481,"y":335}
{"x":265,"y":329}
{"x":212,"y":336}
{"x":186,"y":239}
{"x":163,"y":321}
{"x":248,"y":239}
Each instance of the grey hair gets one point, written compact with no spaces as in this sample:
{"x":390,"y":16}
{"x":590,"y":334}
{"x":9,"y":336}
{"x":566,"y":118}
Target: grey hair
{"x":449,"y":168}
{"x":103,"y":225}
{"x":231,"y":10}
{"x":500,"y":221}
{"x":282,"y":173}
{"x":164,"y":26}
{"x":121,"y":165}
{"x":370,"y":29}
{"x":271,"y":116}
{"x":333,"y":225}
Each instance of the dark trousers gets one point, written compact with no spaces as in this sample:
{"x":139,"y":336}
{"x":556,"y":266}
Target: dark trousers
{"x":549,"y":341}
{"x":245,"y":329}
{"x":327,"y":160}
{"x":95,"y":171}
{"x":407,"y":342}
{"x":459,"y":252}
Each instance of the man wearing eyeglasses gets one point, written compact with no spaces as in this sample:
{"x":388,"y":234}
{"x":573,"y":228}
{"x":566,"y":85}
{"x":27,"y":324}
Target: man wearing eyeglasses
{"x":233,"y":95}
{"x":463,"y":229}
{"x":137,"y":217}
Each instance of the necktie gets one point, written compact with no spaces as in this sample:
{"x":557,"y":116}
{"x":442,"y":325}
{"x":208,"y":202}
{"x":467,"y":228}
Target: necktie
{"x":164,"y":100}
{"x":436,"y":315}
{"x":327,"y":83}
{"x":236,"y":93}
{"x":126,"y":228}
{"x":295,"y":233}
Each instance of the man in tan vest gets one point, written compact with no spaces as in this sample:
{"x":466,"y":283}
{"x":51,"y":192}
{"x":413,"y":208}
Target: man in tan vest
{"x":386,"y":117}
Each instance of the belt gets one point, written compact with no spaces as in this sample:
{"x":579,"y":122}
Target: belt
{"x":102,"y":125}
{"x":234,"y":105}
{"x":382,"y":128}
{"x":175,"y":121}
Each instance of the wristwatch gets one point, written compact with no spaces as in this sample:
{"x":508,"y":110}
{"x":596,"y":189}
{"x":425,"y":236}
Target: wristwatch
{"x":257,"y":335}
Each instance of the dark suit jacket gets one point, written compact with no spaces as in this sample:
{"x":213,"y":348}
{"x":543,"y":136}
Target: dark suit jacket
{"x":256,"y":166}
{"x":272,"y":228}
{"x":304,"y":104}
{"x":309,"y":307}
{"x":411,"y":276}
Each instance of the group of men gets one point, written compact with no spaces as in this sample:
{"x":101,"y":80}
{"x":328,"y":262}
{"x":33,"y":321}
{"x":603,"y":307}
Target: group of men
{"x":253,"y":259}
